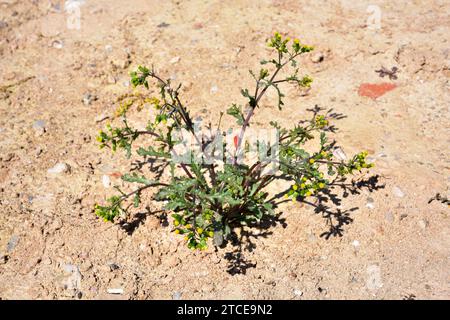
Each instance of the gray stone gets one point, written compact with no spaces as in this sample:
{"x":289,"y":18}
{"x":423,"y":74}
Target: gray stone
{"x":88,"y":98}
{"x":176,"y":295}
{"x":113,"y":266}
{"x":398,"y":192}
{"x":12,"y":243}
{"x":39,"y":127}
{"x":218,"y":238}
{"x":163,"y":25}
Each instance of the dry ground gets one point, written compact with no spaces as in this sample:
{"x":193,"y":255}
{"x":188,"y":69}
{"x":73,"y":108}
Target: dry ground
{"x":53,"y":247}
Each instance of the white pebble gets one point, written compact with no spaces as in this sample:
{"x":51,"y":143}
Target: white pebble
{"x":398,"y":192}
{"x":115,"y":291}
{"x":174,"y":60}
{"x":370,"y":203}
{"x":298,"y":293}
{"x":214,"y":89}
{"x":60,"y":167}
{"x":106,"y":181}
{"x":422,"y":224}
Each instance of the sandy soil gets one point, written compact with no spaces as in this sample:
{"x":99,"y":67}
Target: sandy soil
{"x":52,"y":246}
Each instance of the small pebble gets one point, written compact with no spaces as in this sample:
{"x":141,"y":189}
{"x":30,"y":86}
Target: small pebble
{"x":318,"y":57}
{"x":12,"y":243}
{"x":174,"y":60}
{"x":39,"y":127}
{"x":121,"y":63}
{"x":370,"y":203}
{"x":214,"y":89}
{"x":163,"y":25}
{"x":106,"y":181}
{"x":60,"y":167}
{"x":398,"y":192}
{"x":422,"y":224}
{"x":176,"y":295}
{"x":58,"y":44}
{"x":113,"y":266}
{"x":108,"y":48}
{"x":298,"y":292}
{"x":38,"y":151}
{"x":88,"y":98}
{"x":115,"y":291}
{"x":218,"y":239}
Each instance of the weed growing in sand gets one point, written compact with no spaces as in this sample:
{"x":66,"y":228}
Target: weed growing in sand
{"x":211,"y":191}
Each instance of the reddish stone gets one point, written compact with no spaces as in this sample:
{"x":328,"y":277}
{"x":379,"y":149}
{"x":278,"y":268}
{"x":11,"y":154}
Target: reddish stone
{"x":198,"y":25}
{"x":236,"y":141}
{"x":115,"y":174}
{"x":375,"y":90}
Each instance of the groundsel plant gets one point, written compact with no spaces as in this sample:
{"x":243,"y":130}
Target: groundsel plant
{"x":212,"y":191}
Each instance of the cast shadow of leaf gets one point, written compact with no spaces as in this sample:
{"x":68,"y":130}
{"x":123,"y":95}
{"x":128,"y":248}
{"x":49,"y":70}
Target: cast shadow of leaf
{"x":326,"y":204}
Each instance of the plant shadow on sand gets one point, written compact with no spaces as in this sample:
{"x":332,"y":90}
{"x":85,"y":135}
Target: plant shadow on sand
{"x":326,"y":203}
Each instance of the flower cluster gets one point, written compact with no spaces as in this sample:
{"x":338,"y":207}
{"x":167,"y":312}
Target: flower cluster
{"x":281,"y":45}
{"x":357,"y":163}
{"x":307,"y":187}
{"x":321,"y":121}
{"x":195,"y":236}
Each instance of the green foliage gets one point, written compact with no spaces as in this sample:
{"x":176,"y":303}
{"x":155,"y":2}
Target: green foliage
{"x":236,"y":112}
{"x":208,"y":201}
